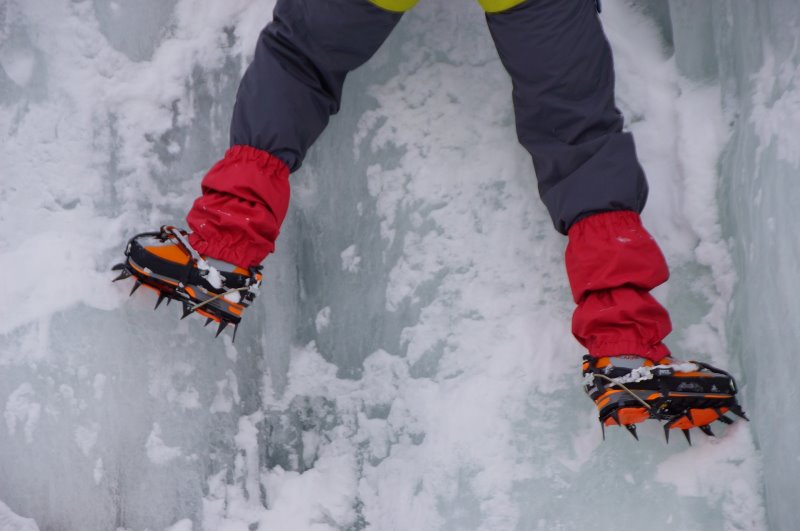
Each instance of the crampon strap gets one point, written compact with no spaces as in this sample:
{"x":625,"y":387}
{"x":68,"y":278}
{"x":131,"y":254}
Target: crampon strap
{"x":251,"y":284}
{"x":641,"y":374}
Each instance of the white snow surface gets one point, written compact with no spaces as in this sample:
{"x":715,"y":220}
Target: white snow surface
{"x":157,"y":451}
{"x":423,"y":378}
{"x":9,"y":521}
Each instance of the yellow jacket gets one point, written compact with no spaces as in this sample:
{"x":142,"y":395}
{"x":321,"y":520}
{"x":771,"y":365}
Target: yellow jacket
{"x":491,"y":6}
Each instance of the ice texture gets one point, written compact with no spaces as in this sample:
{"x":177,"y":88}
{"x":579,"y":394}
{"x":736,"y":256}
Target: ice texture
{"x":408,"y":363}
{"x":750,"y":49}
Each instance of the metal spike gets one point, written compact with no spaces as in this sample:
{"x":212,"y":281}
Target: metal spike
{"x":615,"y":416}
{"x":603,"y":429}
{"x":632,"y":430}
{"x":187,"y":310}
{"x":666,"y":432}
{"x":169,"y":300}
{"x":118,"y":267}
{"x":707,"y":430}
{"x":222,"y":325}
{"x":689,"y":415}
{"x":688,"y":436}
{"x":209,"y":320}
{"x":721,"y":416}
{"x":135,"y":287}
{"x":235,"y":328}
{"x":725,"y":420}
{"x":739,"y":412}
{"x":161,"y":298}
{"x":122,"y":276}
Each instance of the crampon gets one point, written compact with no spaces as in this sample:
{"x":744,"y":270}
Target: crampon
{"x":628,"y":390}
{"x":165,"y":262}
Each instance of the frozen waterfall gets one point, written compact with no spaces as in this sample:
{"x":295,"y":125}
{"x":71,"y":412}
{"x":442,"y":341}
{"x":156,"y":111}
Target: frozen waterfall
{"x":409,"y":364}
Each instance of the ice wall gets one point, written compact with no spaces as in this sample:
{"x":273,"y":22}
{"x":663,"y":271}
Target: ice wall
{"x":751,"y":48}
{"x":113,"y":416}
{"x":409,"y":364}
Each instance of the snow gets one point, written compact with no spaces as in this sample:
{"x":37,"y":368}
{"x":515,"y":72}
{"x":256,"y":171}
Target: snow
{"x":719,"y":464}
{"x":212,"y":274}
{"x":97,"y":473}
{"x":21,"y":410}
{"x":157,"y":451}
{"x":350,"y":259}
{"x":408,"y":363}
{"x":323,"y":319}
{"x":183,"y":525}
{"x":227,"y":394}
{"x":13,"y":522}
{"x":99,"y":384}
{"x":86,"y":438}
{"x":18,"y":65}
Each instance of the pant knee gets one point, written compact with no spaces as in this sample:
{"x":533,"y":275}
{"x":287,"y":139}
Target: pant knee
{"x":396,"y":6}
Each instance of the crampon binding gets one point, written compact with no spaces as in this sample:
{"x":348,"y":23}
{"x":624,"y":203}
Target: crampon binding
{"x":681,"y":395}
{"x":165,"y":262}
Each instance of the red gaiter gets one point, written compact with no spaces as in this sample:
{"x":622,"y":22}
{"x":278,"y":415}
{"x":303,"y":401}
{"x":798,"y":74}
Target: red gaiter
{"x":245,"y":198}
{"x":612,"y":263}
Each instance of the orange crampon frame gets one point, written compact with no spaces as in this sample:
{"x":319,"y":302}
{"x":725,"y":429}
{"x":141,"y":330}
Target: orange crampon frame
{"x":683,"y":396}
{"x":165,"y":262}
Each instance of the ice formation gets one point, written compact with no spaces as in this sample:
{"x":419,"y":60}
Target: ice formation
{"x":408,"y":364}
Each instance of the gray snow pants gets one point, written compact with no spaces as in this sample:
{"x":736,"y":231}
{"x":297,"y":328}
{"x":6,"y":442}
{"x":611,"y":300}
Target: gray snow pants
{"x":555,"y":51}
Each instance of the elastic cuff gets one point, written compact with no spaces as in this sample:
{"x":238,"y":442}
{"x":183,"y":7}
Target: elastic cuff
{"x":606,"y":223}
{"x":261,"y":159}
{"x":628,"y":348}
{"x":233,"y":254}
